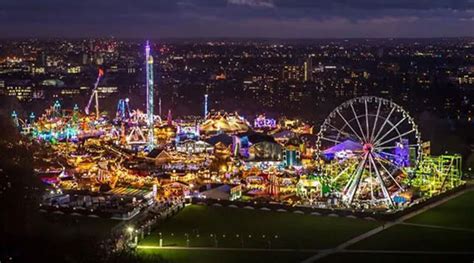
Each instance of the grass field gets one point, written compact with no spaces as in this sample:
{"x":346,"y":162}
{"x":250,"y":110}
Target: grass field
{"x":403,"y":237}
{"x":458,"y":212}
{"x":231,"y":227}
{"x":395,"y":258}
{"x":177,"y":256}
{"x":202,"y":226}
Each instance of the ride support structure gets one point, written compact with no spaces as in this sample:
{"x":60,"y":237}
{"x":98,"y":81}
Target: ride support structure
{"x":94,"y":95}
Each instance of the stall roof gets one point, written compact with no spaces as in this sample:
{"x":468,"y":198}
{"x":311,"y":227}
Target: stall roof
{"x":345,"y":145}
{"x":222,"y":138}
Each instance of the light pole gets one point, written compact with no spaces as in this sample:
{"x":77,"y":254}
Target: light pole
{"x":276,"y":237}
{"x":215,"y":239}
{"x":241,"y":239}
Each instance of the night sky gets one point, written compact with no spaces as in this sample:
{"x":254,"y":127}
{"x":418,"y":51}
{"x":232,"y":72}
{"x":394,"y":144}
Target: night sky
{"x":236,"y":18}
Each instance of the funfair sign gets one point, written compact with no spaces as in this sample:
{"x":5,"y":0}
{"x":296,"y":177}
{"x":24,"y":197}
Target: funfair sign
{"x":263,"y":122}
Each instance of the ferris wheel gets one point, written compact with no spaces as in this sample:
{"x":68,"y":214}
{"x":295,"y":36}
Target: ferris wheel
{"x":368,"y":145}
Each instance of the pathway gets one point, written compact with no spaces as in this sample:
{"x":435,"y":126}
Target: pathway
{"x":439,"y":227}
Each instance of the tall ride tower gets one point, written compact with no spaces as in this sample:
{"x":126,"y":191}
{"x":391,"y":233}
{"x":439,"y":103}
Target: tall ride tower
{"x":149,"y":95}
{"x":205,"y":105}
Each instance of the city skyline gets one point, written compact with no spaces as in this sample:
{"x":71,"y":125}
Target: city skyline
{"x":237,"y":18}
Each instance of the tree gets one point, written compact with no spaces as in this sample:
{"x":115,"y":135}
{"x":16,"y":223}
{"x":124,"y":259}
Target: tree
{"x":20,"y":188}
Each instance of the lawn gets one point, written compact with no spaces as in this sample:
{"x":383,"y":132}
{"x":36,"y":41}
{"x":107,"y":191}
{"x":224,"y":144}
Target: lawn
{"x":207,"y":226}
{"x":458,"y":212}
{"x":404,"y":237}
{"x":394,"y":258}
{"x":203,"y":226}
{"x":195,"y":256}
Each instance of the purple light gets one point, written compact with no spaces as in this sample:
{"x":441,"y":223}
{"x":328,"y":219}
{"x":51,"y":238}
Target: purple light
{"x":262,"y":122}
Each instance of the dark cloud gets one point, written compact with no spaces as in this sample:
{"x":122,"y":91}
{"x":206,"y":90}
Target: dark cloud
{"x":241,"y":18}
{"x":377,"y":4}
{"x":253,"y":3}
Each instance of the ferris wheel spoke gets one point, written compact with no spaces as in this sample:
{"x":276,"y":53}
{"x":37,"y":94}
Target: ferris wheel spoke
{"x":350,"y":126}
{"x":349,"y":181}
{"x":389,"y":131}
{"x":393,"y":147}
{"x":396,"y":137}
{"x":352,"y":172}
{"x":339,"y":130}
{"x":341,"y":173}
{"x":384,"y":123}
{"x":379,"y":177}
{"x":358,"y":123}
{"x":354,"y":184}
{"x":375,"y":121}
{"x":389,"y":174}
{"x":331,"y":140}
{"x":371,"y":183}
{"x":390,"y":154}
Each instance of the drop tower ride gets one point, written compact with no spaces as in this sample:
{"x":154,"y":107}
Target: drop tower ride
{"x":149,"y":96}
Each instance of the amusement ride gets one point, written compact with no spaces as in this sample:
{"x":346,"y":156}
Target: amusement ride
{"x":369,"y":146}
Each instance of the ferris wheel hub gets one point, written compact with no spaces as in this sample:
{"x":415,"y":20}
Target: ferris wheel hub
{"x":368,"y":148}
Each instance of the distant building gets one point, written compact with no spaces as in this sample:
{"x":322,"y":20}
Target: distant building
{"x":22,"y":91}
{"x":308,"y":69}
{"x":292,"y":72}
{"x":41,"y":59}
